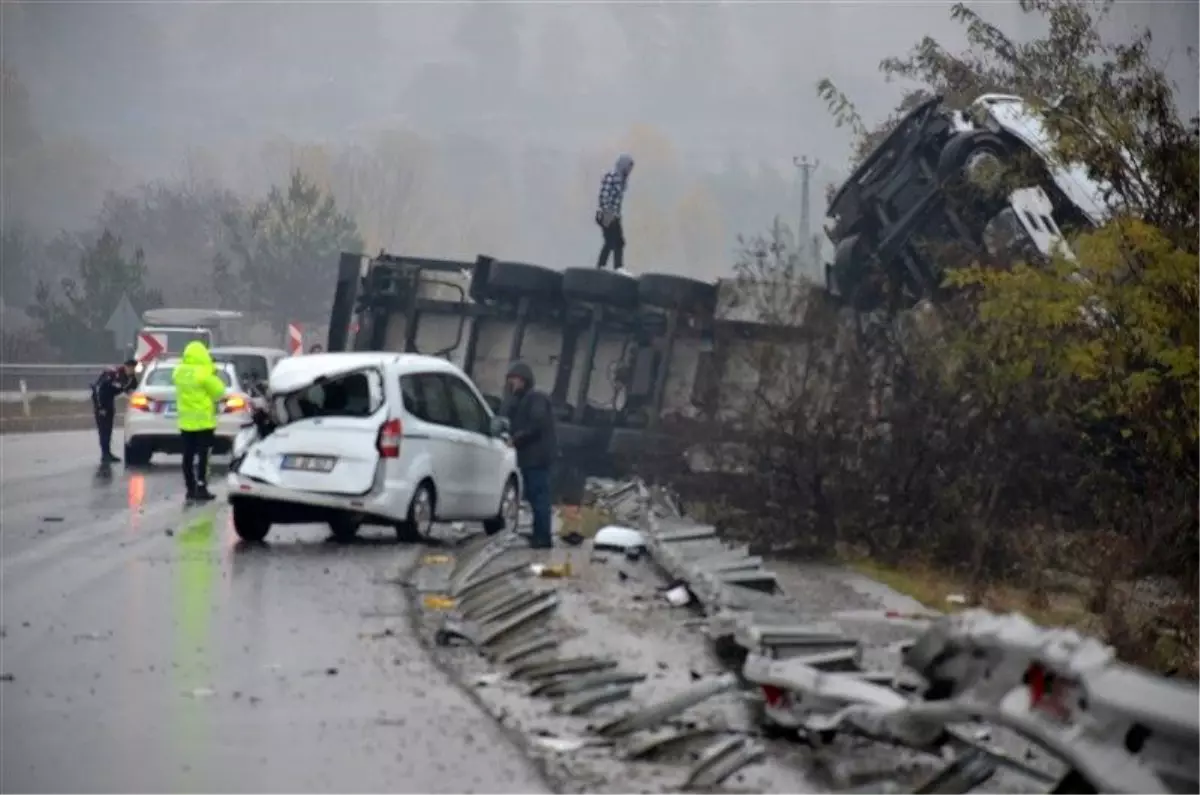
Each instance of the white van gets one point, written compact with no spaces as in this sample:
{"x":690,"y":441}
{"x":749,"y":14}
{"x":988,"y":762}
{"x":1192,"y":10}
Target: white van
{"x":375,"y":438}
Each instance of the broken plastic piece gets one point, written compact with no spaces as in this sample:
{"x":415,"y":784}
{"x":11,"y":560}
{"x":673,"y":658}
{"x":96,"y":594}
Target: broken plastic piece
{"x":618,"y":539}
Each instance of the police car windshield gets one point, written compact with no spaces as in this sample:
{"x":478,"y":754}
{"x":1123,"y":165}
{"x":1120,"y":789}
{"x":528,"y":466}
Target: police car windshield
{"x":161,"y":376}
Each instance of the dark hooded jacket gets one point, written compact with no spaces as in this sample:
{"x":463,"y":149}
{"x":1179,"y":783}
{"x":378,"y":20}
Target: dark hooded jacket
{"x":531,"y":417}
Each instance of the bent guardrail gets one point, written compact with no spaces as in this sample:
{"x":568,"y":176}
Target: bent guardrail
{"x":1108,"y":726}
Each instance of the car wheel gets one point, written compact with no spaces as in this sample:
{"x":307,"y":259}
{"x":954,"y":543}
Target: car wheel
{"x":510,"y":508}
{"x":137,"y":455}
{"x":250,"y":522}
{"x":344,"y":527}
{"x":419,"y":524}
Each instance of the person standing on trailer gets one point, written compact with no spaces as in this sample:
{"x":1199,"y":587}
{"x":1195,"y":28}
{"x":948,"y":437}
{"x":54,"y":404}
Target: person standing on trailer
{"x":197,"y":390}
{"x":608,"y":214}
{"x":112,"y":382}
{"x":535,"y":438}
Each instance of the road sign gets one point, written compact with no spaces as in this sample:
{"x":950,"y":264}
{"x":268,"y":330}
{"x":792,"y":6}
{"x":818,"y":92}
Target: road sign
{"x":295,"y":339}
{"x":149,"y":346}
{"x":123,"y":323}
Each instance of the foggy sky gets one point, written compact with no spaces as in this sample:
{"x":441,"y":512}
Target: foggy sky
{"x":146,"y":83}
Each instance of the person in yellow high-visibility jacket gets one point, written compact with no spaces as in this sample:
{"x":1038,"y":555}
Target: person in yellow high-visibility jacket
{"x":197,"y":390}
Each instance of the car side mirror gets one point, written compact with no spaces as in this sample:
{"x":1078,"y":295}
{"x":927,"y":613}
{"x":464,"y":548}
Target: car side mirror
{"x":500,"y":427}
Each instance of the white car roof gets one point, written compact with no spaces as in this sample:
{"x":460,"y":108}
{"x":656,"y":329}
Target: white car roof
{"x":247,"y":349}
{"x":295,"y":372}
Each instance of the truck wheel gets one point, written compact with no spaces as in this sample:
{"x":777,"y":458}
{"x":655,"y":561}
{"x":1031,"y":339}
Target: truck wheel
{"x":600,"y":286}
{"x":137,"y":455}
{"x":857,"y":275}
{"x":250,"y":522}
{"x":345,"y":527}
{"x":969,"y":156}
{"x":520,"y":279}
{"x":677,"y":292}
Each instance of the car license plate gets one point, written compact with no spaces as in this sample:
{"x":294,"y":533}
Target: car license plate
{"x":308,"y":463}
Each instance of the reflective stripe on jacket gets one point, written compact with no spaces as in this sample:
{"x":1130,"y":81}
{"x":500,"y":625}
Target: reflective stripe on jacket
{"x":197,"y":389}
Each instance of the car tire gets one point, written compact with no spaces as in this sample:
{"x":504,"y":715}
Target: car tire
{"x":677,"y":292}
{"x":521,"y":279}
{"x":509,"y":511}
{"x":250,"y":522}
{"x":600,"y":286}
{"x":421,"y":512}
{"x":137,"y":455}
{"x":344,"y":527}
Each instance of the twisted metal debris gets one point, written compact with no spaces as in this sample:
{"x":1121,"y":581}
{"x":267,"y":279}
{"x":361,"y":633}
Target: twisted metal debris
{"x":1115,"y":728}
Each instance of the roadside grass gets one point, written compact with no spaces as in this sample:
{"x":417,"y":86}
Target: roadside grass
{"x":934,"y":589}
{"x":1157,"y":634}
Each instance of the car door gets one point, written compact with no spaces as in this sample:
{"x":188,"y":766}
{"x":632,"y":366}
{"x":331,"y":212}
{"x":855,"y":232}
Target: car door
{"x":483,"y":454}
{"x":434,"y":424}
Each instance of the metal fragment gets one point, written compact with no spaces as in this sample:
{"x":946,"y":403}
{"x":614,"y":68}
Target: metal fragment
{"x":722,"y":759}
{"x":653,"y":743}
{"x":572,"y":665}
{"x":507,"y":606}
{"x":962,"y":775}
{"x":577,"y":684}
{"x":588,"y":700}
{"x":522,"y":647}
{"x":657,"y":713}
{"x":493,"y":632}
{"x":485,"y":582}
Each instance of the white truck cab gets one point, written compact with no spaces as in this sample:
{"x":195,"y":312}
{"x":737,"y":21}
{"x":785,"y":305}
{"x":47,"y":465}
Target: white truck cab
{"x":375,"y":438}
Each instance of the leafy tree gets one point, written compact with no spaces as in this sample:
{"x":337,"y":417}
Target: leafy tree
{"x":285,"y":251}
{"x":180,"y":227}
{"x":18,"y":265}
{"x":72,"y":319}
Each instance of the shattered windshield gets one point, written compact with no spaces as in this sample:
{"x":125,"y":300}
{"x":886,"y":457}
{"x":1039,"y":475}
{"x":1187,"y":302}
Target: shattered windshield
{"x":356,"y":394}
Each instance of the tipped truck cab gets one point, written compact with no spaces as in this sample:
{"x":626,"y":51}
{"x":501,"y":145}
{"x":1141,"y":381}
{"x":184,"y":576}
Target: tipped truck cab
{"x":375,"y":438}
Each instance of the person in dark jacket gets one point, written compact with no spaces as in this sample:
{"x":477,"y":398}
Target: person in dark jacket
{"x":112,"y":382}
{"x":608,"y":213}
{"x":531,"y":418}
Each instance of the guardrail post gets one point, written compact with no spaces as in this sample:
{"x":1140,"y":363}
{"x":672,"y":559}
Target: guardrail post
{"x":25,"y":398}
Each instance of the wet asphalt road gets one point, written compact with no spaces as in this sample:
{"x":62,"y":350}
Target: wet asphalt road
{"x":149,"y":651}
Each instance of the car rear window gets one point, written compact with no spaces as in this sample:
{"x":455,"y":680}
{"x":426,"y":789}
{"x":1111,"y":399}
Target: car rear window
{"x":344,"y":395}
{"x":161,"y":376}
{"x":250,"y":367}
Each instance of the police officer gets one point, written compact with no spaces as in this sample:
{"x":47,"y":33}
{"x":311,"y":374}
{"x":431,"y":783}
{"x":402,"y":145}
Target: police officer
{"x":197,"y":390}
{"x":112,"y":382}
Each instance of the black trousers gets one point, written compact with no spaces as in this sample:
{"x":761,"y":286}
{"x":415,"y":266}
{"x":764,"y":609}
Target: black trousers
{"x":104,"y":428}
{"x":614,"y":243}
{"x":195,"y":458}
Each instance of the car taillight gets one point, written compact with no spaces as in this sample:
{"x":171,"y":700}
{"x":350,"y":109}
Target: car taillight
{"x":388,"y":441}
{"x":234,"y":403}
{"x":139,"y":401}
{"x":774,"y":696}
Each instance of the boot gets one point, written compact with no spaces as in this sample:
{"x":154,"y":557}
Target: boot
{"x":202,"y":494}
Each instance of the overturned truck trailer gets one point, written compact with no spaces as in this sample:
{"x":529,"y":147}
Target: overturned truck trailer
{"x":624,"y":359}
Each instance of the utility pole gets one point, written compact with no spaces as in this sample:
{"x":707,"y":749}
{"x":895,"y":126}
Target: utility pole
{"x":804,"y":236}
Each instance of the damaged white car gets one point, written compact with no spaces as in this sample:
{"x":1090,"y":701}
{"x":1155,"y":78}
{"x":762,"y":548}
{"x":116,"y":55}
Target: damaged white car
{"x":372,"y":438}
